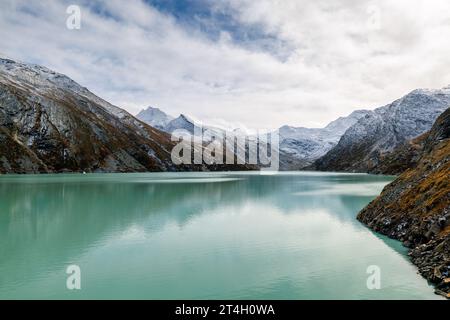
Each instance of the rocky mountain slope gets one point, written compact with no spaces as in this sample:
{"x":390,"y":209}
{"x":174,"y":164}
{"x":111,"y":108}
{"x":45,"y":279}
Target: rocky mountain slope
{"x":181,"y":123}
{"x":371,"y":139}
{"x":49,"y":123}
{"x":300,"y":146}
{"x":415,"y":208}
{"x":401,"y":158}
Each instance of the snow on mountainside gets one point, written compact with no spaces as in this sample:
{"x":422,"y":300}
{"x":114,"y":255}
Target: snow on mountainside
{"x":169,"y":124}
{"x":181,"y":123}
{"x":40,"y":79}
{"x":299,"y":147}
{"x":154,"y":117}
{"x":49,"y":123}
{"x":377,"y":134}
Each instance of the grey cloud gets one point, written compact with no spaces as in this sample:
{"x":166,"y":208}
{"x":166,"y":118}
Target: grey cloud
{"x":335,"y":62}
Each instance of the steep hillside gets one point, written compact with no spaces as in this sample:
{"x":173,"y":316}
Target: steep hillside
{"x":375,"y":136}
{"x":401,"y":158}
{"x":415,"y":208}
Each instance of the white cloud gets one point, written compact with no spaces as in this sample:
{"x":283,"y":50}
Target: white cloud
{"x":136,"y":56}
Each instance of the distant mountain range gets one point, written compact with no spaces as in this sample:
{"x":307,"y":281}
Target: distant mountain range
{"x":155,"y":117}
{"x":299,"y":146}
{"x":359,"y":142}
{"x":161,"y":120}
{"x":49,"y":123}
{"x":209,"y":133}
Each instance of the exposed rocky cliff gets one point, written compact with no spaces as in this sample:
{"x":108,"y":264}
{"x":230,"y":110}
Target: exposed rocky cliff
{"x":401,"y":158}
{"x":370,"y":140}
{"x":415,"y":208}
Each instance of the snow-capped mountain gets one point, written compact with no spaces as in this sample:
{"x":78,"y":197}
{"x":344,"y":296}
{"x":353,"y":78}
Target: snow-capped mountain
{"x":154,"y":117}
{"x":39,"y":79}
{"x":299,"y":146}
{"x":375,"y":135}
{"x":49,"y":123}
{"x":210,"y":133}
{"x":182,"y":122}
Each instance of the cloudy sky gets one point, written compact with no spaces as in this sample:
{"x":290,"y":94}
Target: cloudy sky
{"x":254,"y":63}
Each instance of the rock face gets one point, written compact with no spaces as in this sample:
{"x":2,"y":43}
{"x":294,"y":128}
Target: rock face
{"x":415,"y":208}
{"x":49,"y":123}
{"x":371,"y":139}
{"x":154,"y":117}
{"x":401,"y":158}
{"x":299,"y":146}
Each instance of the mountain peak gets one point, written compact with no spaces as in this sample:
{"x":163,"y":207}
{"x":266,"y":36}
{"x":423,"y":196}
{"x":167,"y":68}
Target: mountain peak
{"x":73,"y":129}
{"x":150,"y":108}
{"x":40,"y":79}
{"x":185,"y":118}
{"x":341,"y":124}
{"x":183,"y":122}
{"x":6,"y":57}
{"x":154,"y":117}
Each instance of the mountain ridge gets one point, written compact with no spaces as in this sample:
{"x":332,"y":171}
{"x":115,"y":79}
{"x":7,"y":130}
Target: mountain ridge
{"x":49,"y":123}
{"x":384,"y":129}
{"x":299,"y":146}
{"x":155,"y":117}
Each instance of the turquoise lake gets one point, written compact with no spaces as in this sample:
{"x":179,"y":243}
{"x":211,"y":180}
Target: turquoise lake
{"x":197,"y":236}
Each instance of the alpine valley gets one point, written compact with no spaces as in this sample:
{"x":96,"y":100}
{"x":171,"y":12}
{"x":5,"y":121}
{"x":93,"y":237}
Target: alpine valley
{"x":51,"y":124}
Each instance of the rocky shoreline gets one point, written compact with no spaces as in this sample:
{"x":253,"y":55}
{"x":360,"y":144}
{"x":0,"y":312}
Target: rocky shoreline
{"x":415,"y":208}
{"x":432,"y":259}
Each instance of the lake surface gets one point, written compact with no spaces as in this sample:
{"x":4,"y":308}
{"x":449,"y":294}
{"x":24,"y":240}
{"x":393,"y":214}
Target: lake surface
{"x":197,"y":236}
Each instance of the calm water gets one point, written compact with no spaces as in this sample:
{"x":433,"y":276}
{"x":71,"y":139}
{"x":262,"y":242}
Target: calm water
{"x":197,"y":236}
